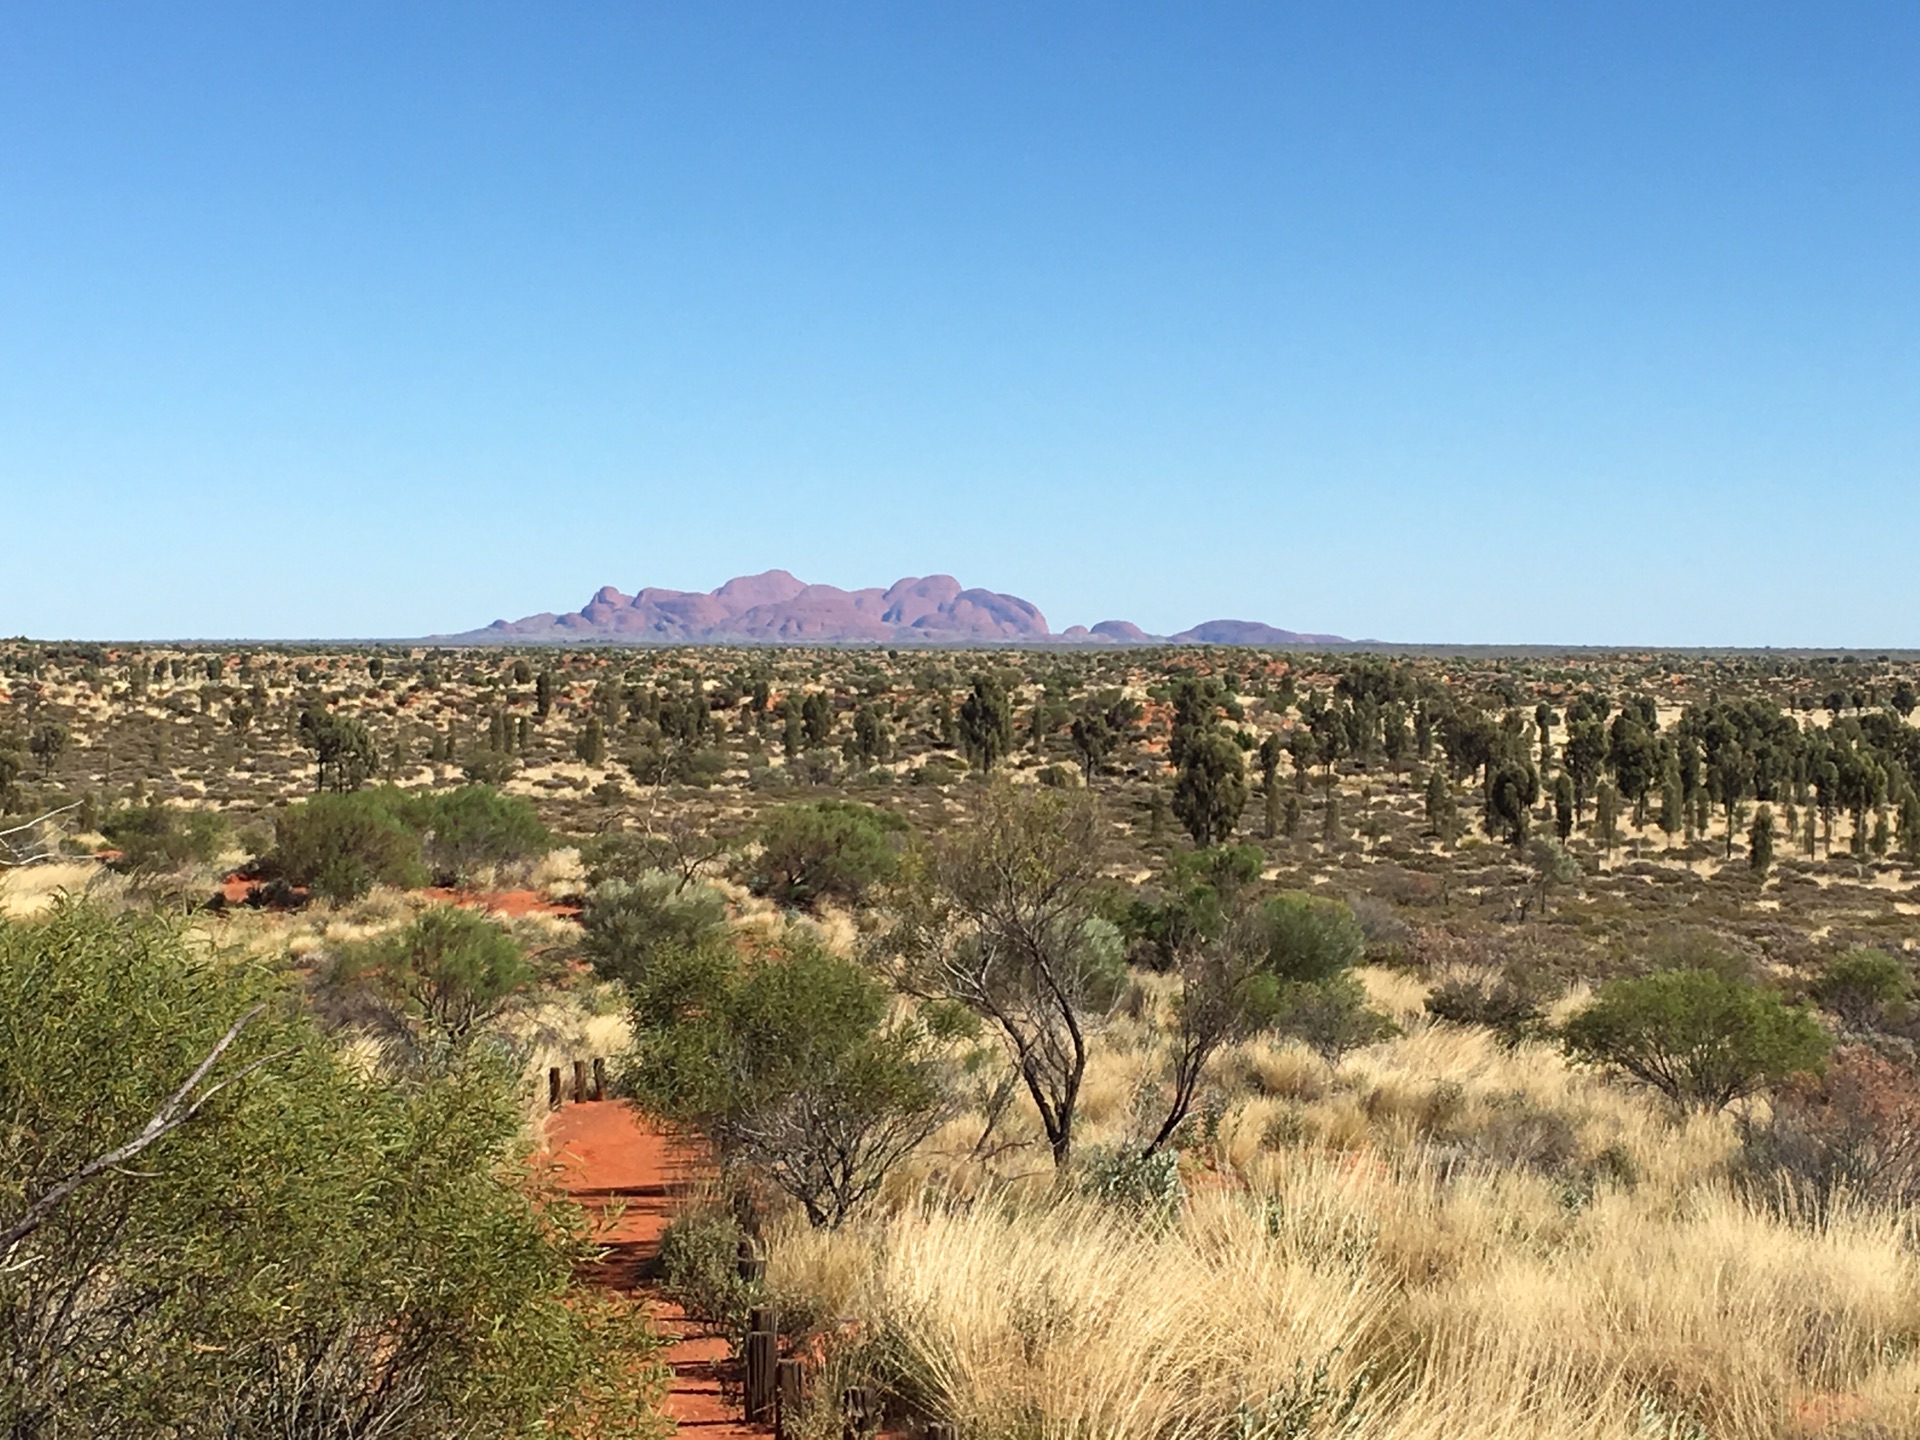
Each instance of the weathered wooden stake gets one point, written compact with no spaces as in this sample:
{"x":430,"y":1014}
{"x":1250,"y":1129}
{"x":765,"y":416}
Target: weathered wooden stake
{"x":599,"y":1078}
{"x":553,"y":1087}
{"x":579,"y":1080}
{"x":762,"y":1353}
{"x":786,"y":1397}
{"x":860,"y":1412}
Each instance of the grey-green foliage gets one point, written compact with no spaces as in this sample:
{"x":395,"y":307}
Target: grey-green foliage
{"x":448,"y":973}
{"x":310,"y":1252}
{"x":1312,"y":946}
{"x":1864,"y":987}
{"x":1702,"y":1037}
{"x":787,"y":1058}
{"x":1310,"y":939}
{"x":630,"y":923}
{"x":1145,"y":1184}
{"x":1002,"y":917}
{"x":158,"y":836}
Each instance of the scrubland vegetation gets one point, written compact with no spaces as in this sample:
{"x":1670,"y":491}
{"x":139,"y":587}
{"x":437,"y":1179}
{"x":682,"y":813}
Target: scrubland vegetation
{"x":1133,"y":1043}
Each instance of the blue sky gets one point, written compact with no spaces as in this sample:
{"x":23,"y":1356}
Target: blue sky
{"x":1525,"y":322}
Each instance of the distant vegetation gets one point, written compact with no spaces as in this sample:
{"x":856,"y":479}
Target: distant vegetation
{"x":1145,"y":1042}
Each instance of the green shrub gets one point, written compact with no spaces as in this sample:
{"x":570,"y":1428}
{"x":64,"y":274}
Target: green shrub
{"x":449,"y":972}
{"x":1310,"y":940}
{"x":829,"y":850}
{"x":1862,"y":987}
{"x":629,"y":923}
{"x":1147,"y":1186}
{"x":158,"y":836}
{"x":787,"y":1057}
{"x":256,"y":1264}
{"x":476,"y":825}
{"x":340,"y":846}
{"x":1700,"y":1037}
{"x":1331,"y":1017}
{"x":700,"y":1270}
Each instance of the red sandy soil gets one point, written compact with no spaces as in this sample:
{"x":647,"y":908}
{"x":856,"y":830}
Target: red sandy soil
{"x":511,"y":903}
{"x":237,"y":889}
{"x":629,"y":1177}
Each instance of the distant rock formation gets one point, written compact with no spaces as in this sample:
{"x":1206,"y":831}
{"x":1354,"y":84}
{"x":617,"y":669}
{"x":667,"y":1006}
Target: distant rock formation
{"x":776,"y":608}
{"x":1247,"y":632}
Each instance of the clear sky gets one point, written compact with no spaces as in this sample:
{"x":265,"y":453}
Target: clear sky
{"x":1425,"y":322}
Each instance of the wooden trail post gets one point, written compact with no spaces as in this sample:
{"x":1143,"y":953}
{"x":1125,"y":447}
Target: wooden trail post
{"x":859,"y":1412}
{"x":762,"y":1354}
{"x":579,"y":1080}
{"x":786,"y":1397}
{"x":553,"y":1087}
{"x":599,"y":1078}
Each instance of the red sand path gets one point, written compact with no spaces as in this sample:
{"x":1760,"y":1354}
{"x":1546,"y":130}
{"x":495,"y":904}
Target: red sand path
{"x":630,"y":1176}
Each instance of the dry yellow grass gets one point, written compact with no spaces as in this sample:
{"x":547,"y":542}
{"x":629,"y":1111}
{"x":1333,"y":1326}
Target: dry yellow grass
{"x":32,"y":889}
{"x":1475,"y":1242}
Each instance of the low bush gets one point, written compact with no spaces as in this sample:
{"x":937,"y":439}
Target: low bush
{"x":307,"y":1244}
{"x":1866,"y":988}
{"x":474,"y":826}
{"x":159,"y":836}
{"x":829,"y":850}
{"x":1702,"y":1038}
{"x":340,"y":846}
{"x":1511,"y":1010}
{"x":1853,"y":1132}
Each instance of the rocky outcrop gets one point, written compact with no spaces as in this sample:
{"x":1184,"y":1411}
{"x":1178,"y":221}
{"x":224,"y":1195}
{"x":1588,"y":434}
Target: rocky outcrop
{"x":776,"y":608}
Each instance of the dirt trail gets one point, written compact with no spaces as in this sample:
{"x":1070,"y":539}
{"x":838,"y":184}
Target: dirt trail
{"x":630,"y":1176}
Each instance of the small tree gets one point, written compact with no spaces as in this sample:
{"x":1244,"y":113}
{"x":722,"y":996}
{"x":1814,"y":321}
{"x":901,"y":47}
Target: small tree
{"x":1551,"y":864}
{"x":591,"y":743}
{"x":1443,"y":814}
{"x":986,"y":723}
{"x":1092,"y":738}
{"x":786,"y":1058}
{"x":1862,"y":987}
{"x":829,"y":850}
{"x":1002,"y":918}
{"x":1606,"y":818}
{"x":1510,"y":799}
{"x":450,"y":972}
{"x":46,"y":743}
{"x":1212,"y":788}
{"x":1701,"y":1038}
{"x":342,"y":747}
{"x":1760,"y":841}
